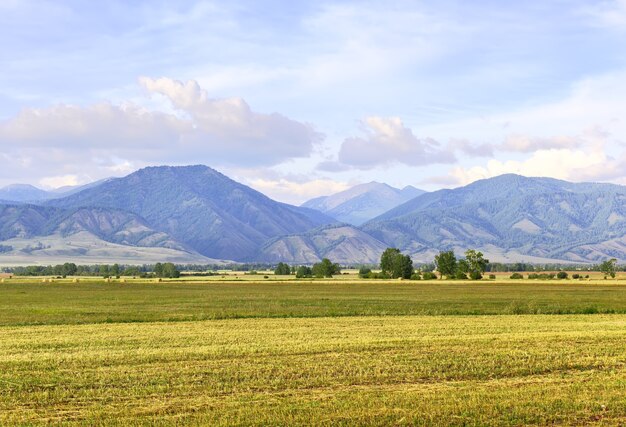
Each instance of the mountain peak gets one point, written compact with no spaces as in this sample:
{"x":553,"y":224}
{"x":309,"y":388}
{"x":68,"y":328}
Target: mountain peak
{"x":20,"y":187}
{"x":362,"y":202}
{"x":213,"y":214}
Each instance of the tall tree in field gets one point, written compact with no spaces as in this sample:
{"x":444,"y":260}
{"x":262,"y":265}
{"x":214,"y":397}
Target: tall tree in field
{"x":477,"y":263}
{"x":169,"y":270}
{"x":325,"y":268}
{"x":393,"y":263}
{"x":104,"y":270}
{"x":445,"y":263}
{"x":282,"y":269}
{"x":387,"y":259}
{"x":69,"y":269}
{"x":608,"y":267}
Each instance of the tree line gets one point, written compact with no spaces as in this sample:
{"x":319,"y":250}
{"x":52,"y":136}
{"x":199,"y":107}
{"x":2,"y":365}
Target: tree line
{"x":473,"y":266}
{"x":164,"y":270}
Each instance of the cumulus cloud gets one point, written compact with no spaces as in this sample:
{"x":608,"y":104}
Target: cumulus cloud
{"x":231,"y":130}
{"x":554,"y":163}
{"x":94,"y":127}
{"x":387,"y":141}
{"x":64,"y":140}
{"x":583,"y":157}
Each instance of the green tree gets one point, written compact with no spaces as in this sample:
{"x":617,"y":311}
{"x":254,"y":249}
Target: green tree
{"x":103,"y":270}
{"x":303,"y":271}
{"x":445,"y":263}
{"x":69,"y":269}
{"x":476,"y":263}
{"x":325,"y":268}
{"x":608,"y":267}
{"x":169,"y":270}
{"x":132,"y":271}
{"x":158,"y":269}
{"x":396,"y":265}
{"x":57,"y":270}
{"x":115,"y":270}
{"x":387,"y":259}
{"x":364,"y":272}
{"x":463,"y":266}
{"x":282,"y":269}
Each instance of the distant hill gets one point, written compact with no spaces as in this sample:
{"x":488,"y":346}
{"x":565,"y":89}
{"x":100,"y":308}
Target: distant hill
{"x":38,"y":232}
{"x":22,"y":193}
{"x":196,"y":214}
{"x":196,"y":205}
{"x":512,"y":218}
{"x":340,"y":242}
{"x":26,"y":193}
{"x":363,"y":202}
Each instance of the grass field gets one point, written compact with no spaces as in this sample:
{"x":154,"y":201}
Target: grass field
{"x":338,"y":353}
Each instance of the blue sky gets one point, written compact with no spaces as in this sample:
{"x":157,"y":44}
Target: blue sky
{"x":299,"y":99}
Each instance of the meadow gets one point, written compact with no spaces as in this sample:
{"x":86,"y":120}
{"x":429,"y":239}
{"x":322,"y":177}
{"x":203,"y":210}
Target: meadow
{"x":342,"y":352}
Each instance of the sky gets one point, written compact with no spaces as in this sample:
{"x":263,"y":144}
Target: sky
{"x":301,"y":99}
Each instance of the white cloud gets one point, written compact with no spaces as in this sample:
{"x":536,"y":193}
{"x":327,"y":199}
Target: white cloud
{"x":287,"y":187}
{"x":388,"y":141}
{"x":571,"y":165}
{"x":231,"y":130}
{"x":296,"y":192}
{"x":60,"y":181}
{"x":106,"y":139}
{"x":99,"y":126}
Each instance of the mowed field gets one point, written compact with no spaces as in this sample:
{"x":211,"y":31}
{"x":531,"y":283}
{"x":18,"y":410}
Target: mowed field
{"x":327,"y":352}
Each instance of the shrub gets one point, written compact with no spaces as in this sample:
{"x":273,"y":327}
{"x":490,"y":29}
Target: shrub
{"x":542,"y":276}
{"x":416,"y":276}
{"x":476,"y":275}
{"x":365,"y":272}
{"x":460,"y":275}
{"x":561,"y":275}
{"x":492,"y":276}
{"x":303,"y":271}
{"x":427,"y":275}
{"x":516,"y":276}
{"x":575,"y":276}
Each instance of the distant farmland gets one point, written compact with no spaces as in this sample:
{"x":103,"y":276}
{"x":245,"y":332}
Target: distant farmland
{"x":259,"y":352}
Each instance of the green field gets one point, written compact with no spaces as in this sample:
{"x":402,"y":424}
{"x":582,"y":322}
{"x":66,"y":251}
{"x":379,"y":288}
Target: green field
{"x":334,"y":352}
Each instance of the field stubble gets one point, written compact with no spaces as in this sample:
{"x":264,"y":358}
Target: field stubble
{"x":59,"y":363}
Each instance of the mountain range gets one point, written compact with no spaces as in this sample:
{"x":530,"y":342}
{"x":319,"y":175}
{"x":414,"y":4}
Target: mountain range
{"x":24,"y":193}
{"x":194,"y":214}
{"x":362,"y":202}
